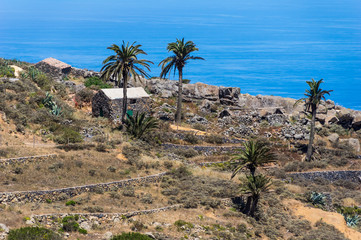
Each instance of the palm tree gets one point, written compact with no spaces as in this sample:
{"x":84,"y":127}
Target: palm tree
{"x":139,"y":124}
{"x":181,"y":51}
{"x":123,"y":65}
{"x":253,"y":155}
{"x":255,"y":185}
{"x":314,"y":95}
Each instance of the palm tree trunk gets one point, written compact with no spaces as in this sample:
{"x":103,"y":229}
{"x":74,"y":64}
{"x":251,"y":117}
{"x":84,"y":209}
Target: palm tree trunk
{"x":312,"y":134}
{"x":125,"y":97}
{"x":180,"y":97}
{"x":254,"y":205}
{"x":248,"y":205}
{"x":253,"y":171}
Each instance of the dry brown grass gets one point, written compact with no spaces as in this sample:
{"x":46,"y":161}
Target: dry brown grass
{"x":70,"y":169}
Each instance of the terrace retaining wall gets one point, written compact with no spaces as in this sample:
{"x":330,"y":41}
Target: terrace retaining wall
{"x":65,"y":193}
{"x":353,"y":176}
{"x":9,"y":161}
{"x":99,"y":217}
{"x":205,"y":150}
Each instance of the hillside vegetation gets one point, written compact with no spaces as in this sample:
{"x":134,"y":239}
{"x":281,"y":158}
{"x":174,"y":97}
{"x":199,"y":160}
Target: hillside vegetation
{"x":40,"y":115}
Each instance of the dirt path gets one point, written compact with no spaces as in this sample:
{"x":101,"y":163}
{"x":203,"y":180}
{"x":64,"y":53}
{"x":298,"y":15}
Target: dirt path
{"x":180,"y":128}
{"x":314,"y":214}
{"x":17,"y":70}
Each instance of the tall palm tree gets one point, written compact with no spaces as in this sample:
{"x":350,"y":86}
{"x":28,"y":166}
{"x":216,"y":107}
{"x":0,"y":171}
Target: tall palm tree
{"x":252,"y":155}
{"x":182,"y":53}
{"x":314,"y":95}
{"x":123,"y":65}
{"x":255,"y":185}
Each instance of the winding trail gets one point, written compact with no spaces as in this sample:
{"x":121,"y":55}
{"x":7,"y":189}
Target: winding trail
{"x":315,"y":214}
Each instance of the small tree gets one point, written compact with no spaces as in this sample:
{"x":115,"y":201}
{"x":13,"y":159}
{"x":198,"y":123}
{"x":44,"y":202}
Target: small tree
{"x":255,"y":185}
{"x":253,"y":155}
{"x":314,"y":95}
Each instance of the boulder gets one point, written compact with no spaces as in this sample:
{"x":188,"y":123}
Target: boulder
{"x":321,"y":118}
{"x":356,"y":123}
{"x":4,"y":228}
{"x":107,"y":235}
{"x":260,"y":102}
{"x":229,"y":95}
{"x":330,"y":104}
{"x":331,"y":117}
{"x":353,"y":142}
{"x":208,"y":106}
{"x":162,"y":87}
{"x":333,"y":138}
{"x":197,"y":119}
{"x":322,"y":109}
{"x":85,"y":225}
{"x":201,"y":91}
{"x":224,"y":113}
{"x":345,"y":120}
{"x":276,"y":119}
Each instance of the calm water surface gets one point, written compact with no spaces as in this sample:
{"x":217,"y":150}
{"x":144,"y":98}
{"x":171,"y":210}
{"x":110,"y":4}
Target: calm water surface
{"x":261,"y":46}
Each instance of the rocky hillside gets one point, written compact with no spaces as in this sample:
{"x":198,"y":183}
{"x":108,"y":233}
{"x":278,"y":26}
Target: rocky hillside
{"x":79,"y":177}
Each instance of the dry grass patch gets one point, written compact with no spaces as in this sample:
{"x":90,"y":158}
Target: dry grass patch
{"x":71,"y":169}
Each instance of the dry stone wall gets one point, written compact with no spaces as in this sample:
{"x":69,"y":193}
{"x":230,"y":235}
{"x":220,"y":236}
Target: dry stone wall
{"x":205,"y":150}
{"x":353,"y":176}
{"x":9,"y":161}
{"x":65,"y":193}
{"x":102,"y":218}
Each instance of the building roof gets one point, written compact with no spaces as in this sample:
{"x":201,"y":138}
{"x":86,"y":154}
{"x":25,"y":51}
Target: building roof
{"x":56,"y":63}
{"x":117,"y":93}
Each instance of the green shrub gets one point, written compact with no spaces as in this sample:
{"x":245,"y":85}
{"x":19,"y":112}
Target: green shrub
{"x":147,"y":198}
{"x":335,"y":128}
{"x":33,"y":233}
{"x":95,"y":209}
{"x":82,"y":231}
{"x":191,"y":138}
{"x":183,"y":225}
{"x":181,"y":172}
{"x":85,"y":95}
{"x":70,"y":223}
{"x":138,"y":226}
{"x":187,"y":153}
{"x":131,"y":236}
{"x":70,"y":203}
{"x":68,"y":135}
{"x":96,"y":83}
{"x":6,"y":71}
{"x":214,"y":139}
{"x":129,"y":192}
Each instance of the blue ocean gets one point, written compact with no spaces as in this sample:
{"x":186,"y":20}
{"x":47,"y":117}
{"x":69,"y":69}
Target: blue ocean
{"x":262,"y":46}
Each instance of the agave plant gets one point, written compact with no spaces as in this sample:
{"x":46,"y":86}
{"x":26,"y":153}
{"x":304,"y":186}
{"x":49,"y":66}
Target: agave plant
{"x":56,"y":110}
{"x":33,"y":73}
{"x":139,"y":124}
{"x":352,"y":220}
{"x":317,"y":198}
{"x":51,"y":104}
{"x":48,"y":100}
